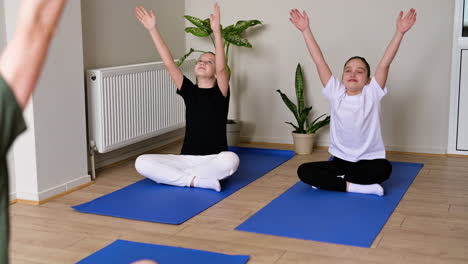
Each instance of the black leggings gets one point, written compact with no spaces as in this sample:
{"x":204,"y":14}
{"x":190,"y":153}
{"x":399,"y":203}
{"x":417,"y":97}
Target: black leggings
{"x":324,"y":174}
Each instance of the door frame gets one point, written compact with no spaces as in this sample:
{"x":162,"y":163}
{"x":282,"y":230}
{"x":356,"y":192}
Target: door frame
{"x":459,"y":43}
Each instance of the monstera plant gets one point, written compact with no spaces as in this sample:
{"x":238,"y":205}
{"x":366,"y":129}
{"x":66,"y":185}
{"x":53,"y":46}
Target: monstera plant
{"x":232,"y":35}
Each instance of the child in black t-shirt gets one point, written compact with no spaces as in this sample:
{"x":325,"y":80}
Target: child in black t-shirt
{"x":207,"y":104}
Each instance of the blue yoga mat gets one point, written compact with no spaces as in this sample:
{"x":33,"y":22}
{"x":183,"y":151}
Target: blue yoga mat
{"x":335,"y":217}
{"x":125,"y":252}
{"x":147,"y":200}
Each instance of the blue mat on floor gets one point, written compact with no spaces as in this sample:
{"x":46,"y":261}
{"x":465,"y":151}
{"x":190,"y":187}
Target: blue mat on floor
{"x":147,"y":200}
{"x":125,"y":252}
{"x":335,"y":217}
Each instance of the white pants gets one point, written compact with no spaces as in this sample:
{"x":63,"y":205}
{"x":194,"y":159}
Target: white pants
{"x":179,"y":170}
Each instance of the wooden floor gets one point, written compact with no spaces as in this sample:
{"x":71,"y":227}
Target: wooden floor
{"x":430,"y":224}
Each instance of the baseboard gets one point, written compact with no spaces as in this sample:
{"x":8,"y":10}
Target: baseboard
{"x":417,"y":150}
{"x":451,"y":150}
{"x":267,"y":140}
{"x":111,"y":158}
{"x":54,"y":192}
{"x":278,"y":141}
{"x":325,"y":144}
{"x":458,"y":155}
{"x":44,"y":195}
{"x":12,"y":198}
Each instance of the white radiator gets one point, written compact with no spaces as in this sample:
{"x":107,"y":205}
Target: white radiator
{"x":132,"y":103}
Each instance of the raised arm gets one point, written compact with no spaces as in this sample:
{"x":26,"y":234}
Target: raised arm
{"x":403,"y":25}
{"x":21,"y":62}
{"x":301,"y":21}
{"x":148,"y":20}
{"x":221,"y":70}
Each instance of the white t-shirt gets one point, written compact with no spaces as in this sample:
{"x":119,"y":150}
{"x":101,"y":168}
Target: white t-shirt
{"x":355,"y":132}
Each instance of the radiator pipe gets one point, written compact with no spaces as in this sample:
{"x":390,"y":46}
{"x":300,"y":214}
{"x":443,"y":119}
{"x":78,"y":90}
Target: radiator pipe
{"x":92,"y":150}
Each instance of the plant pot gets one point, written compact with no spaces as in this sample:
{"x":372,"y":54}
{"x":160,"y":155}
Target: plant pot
{"x":303,"y":143}
{"x":233,"y":132}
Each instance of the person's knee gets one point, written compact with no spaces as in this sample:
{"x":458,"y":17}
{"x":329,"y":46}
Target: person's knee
{"x":139,"y":160}
{"x":385,"y":170}
{"x":388,"y":168}
{"x":308,"y":173}
{"x":302,"y":172}
{"x":229,"y":160}
{"x":141,"y":163}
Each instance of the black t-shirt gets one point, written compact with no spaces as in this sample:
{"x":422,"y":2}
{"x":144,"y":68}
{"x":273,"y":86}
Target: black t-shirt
{"x":206,"y":111}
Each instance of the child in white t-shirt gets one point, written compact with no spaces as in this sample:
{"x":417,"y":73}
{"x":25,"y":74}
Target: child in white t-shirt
{"x":359,"y":163}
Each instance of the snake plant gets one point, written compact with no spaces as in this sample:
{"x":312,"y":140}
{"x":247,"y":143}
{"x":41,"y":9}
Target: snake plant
{"x":301,"y":113}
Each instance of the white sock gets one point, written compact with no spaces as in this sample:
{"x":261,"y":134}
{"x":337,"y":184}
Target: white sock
{"x":367,"y":189}
{"x":313,"y":187}
{"x":207,"y":183}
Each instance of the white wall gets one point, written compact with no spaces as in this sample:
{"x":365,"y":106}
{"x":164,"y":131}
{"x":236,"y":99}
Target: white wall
{"x":10,"y":160}
{"x":2,"y":27}
{"x":51,"y":157}
{"x":416,"y":108}
{"x":62,"y":147}
{"x":24,"y":156}
{"x":112,"y":36}
{"x":22,"y":171}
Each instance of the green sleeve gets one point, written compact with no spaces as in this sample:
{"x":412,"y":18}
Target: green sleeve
{"x":11,"y":118}
{"x":11,"y":125}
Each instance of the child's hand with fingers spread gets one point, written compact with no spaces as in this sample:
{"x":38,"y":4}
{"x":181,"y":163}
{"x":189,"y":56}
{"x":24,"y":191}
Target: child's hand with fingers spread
{"x":301,"y":21}
{"x":215,"y":19}
{"x":148,"y":20}
{"x":405,"y":23}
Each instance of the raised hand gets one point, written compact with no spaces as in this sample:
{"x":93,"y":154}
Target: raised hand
{"x":148,"y":20}
{"x":22,"y":60}
{"x":41,"y":13}
{"x":405,"y":23}
{"x":222,"y":77}
{"x":215,"y":19}
{"x":301,"y":21}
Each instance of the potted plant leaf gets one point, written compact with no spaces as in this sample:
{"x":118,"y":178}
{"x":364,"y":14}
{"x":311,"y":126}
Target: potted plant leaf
{"x":304,"y":132}
{"x":232,"y":35}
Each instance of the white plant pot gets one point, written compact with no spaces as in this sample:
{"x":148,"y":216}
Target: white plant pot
{"x":303,"y":143}
{"x":233,"y":133}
